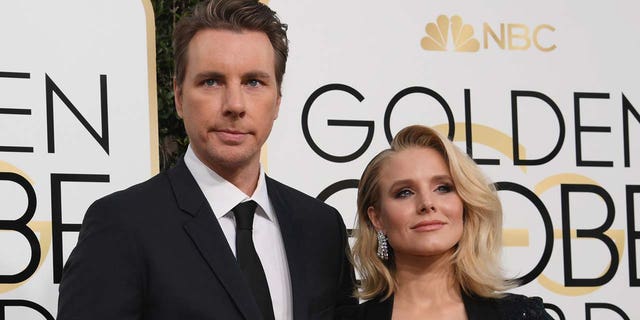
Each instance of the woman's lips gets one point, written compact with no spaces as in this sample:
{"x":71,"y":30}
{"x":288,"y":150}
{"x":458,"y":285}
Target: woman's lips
{"x":428,"y":226}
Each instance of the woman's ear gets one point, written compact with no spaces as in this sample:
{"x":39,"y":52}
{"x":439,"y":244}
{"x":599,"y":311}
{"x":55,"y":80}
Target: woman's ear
{"x":374,"y":217}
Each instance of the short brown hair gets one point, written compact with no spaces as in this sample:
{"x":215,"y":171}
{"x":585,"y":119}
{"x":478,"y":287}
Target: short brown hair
{"x":234,"y":15}
{"x":476,"y":258}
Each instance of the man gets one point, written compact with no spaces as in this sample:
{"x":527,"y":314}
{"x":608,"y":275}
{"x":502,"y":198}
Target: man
{"x":182,"y":245}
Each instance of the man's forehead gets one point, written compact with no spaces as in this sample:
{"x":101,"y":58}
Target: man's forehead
{"x":211,"y":55}
{"x":224,"y":36}
{"x":213,"y":45}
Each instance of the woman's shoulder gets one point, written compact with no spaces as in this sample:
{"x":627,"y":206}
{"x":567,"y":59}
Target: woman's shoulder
{"x":374,"y":309}
{"x":517,"y":306}
{"x":510,"y":307}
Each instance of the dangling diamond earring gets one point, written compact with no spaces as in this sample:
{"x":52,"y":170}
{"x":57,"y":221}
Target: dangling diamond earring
{"x":383,"y":247}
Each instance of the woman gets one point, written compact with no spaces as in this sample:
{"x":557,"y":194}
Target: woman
{"x":428,"y":237}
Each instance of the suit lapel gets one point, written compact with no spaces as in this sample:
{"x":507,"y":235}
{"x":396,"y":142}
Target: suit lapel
{"x":205,"y":232}
{"x":288,"y":226}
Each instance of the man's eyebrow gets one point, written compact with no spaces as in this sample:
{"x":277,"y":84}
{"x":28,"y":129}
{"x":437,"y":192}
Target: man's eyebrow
{"x":257,"y":74}
{"x":209,"y":75}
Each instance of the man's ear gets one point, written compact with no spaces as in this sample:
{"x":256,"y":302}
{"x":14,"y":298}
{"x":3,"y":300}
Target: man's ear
{"x":374,"y":217}
{"x":177,"y":97}
{"x":277,"y":107}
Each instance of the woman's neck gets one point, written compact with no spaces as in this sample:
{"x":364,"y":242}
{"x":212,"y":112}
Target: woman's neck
{"x":427,"y":286}
{"x":426,"y":277}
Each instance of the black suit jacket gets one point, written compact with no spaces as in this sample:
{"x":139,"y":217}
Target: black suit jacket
{"x":509,"y":307}
{"x":156,"y":251}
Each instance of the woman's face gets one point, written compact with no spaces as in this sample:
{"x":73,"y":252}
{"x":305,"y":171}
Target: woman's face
{"x":419,"y":209}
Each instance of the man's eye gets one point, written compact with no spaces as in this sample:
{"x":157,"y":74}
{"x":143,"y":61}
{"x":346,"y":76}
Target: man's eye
{"x":254,"y":83}
{"x":404,"y":193}
{"x":210,"y":82}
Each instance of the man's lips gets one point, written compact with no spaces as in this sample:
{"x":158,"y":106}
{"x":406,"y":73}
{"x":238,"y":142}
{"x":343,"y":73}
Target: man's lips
{"x":428,"y":225}
{"x":230,"y":131}
{"x":231,"y":136}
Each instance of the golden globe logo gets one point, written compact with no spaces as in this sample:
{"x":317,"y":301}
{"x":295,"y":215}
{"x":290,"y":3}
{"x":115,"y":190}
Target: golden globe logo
{"x":511,"y":36}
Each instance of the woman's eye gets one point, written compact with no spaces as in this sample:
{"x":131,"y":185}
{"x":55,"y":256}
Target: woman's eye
{"x":404,"y":193}
{"x":444,"y":188}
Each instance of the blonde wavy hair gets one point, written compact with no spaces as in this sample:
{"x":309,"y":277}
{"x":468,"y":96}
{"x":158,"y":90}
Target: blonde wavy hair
{"x":476,"y":258}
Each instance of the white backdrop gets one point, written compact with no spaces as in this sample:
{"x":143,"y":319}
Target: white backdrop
{"x":77,"y":121}
{"x":555,"y":77}
{"x":350,"y":59}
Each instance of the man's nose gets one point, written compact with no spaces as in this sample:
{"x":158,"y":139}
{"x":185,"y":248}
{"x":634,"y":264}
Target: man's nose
{"x":233,"y":103}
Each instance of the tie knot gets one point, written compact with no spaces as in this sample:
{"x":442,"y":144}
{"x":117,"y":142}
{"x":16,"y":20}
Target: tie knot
{"x":244,"y":213}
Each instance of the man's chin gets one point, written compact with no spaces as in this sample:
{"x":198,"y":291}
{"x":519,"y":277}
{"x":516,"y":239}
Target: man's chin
{"x":231,"y":159}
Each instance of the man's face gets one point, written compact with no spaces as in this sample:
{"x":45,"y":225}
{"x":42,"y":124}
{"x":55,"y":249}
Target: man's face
{"x":229,"y":97}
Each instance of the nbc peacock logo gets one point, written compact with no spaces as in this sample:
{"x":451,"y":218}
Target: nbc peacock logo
{"x":438,"y":35}
{"x":503,"y":36}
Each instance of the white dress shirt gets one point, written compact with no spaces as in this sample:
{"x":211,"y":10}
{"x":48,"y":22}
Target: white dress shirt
{"x":267,"y":238}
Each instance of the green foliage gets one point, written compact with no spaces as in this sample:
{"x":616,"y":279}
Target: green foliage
{"x":173,"y":139}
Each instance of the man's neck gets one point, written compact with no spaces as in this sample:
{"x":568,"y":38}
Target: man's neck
{"x":244,"y":177}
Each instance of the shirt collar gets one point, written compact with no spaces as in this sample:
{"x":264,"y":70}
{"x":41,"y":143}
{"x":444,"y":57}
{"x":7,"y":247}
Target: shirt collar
{"x":221,"y":194}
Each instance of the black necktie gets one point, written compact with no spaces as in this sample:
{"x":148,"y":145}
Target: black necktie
{"x":248,"y":258}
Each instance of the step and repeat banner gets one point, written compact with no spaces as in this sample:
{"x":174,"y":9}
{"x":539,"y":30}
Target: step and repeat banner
{"x":77,"y":121}
{"x":542,"y":95}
